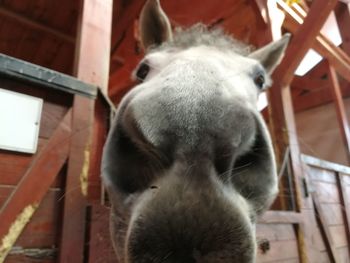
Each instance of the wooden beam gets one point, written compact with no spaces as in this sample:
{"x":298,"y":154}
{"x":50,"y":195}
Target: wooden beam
{"x":93,"y":48}
{"x":91,"y":65}
{"x":342,"y":14}
{"x":36,"y":25}
{"x":339,"y":59}
{"x":341,"y":111}
{"x":319,"y":163}
{"x":24,"y":200}
{"x":282,"y":117}
{"x":305,"y":35}
{"x":282,"y":113}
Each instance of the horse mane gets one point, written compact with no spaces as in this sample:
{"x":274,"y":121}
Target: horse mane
{"x":200,"y":35}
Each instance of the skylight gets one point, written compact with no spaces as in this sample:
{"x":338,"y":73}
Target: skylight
{"x":312,"y":58}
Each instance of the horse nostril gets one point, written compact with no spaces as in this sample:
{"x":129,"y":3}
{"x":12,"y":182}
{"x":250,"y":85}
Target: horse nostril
{"x":154,"y":187}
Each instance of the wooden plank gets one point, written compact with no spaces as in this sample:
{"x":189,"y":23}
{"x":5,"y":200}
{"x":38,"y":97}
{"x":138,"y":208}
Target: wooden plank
{"x":333,"y":213}
{"x":325,"y":229}
{"x":44,"y":227}
{"x":345,"y":202}
{"x":93,"y":53}
{"x":102,"y":251}
{"x":326,"y":193}
{"x":340,"y":110}
{"x":321,"y":175}
{"x":310,"y":160}
{"x":338,"y":235}
{"x":273,"y":217}
{"x":23,"y":202}
{"x":91,"y":66}
{"x":13,"y":165}
{"x":52,"y":113}
{"x":5,"y":192}
{"x":74,"y":212}
{"x":275,"y":232}
{"x":343,"y":254}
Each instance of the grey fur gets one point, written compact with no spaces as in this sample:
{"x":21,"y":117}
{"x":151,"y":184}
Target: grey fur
{"x":199,"y":34}
{"x":188,"y":163}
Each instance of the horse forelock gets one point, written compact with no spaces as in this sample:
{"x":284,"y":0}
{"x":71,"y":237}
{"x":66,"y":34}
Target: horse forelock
{"x":201,"y":35}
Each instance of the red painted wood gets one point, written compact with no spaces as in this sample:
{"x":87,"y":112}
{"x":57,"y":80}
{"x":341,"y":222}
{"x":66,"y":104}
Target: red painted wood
{"x":75,"y":202}
{"x":92,"y":66}
{"x":42,"y":231}
{"x":93,"y":53}
{"x":102,"y":251}
{"x":100,"y":130}
{"x":38,"y":178}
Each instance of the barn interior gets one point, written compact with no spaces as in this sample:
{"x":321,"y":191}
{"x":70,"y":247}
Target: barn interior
{"x":94,"y":45}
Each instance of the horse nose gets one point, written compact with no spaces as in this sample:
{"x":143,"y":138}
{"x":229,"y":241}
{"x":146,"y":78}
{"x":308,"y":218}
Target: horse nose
{"x":190,"y":221}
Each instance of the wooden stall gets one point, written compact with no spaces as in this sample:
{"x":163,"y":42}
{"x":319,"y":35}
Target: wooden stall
{"x":33,"y":187}
{"x":52,"y":205}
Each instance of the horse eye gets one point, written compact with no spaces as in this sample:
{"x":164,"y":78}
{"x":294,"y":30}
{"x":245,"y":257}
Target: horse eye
{"x":260,"y":81}
{"x":142,"y":71}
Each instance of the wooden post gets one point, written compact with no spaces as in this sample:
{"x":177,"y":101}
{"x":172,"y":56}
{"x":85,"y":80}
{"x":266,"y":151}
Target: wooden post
{"x":91,"y":66}
{"x":340,"y":110}
{"x":281,"y":106}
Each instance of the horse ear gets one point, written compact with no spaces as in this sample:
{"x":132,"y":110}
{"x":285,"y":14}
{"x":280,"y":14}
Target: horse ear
{"x":154,"y":25}
{"x":271,"y":54}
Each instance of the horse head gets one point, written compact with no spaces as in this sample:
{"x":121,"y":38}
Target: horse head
{"x":188,"y":163}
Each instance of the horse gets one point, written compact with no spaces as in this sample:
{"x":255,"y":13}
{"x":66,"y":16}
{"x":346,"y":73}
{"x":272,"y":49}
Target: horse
{"x":188,"y":163}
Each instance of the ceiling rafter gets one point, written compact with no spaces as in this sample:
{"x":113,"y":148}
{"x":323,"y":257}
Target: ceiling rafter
{"x":36,"y":25}
{"x":338,"y":58}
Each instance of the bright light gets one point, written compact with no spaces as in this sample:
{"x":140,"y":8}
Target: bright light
{"x":331,"y":31}
{"x":262,"y":101}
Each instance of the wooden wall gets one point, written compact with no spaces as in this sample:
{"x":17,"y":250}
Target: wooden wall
{"x":319,"y":133}
{"x":39,"y":239}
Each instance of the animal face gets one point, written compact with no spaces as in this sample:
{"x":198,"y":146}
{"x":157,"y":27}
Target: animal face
{"x":188,"y":164}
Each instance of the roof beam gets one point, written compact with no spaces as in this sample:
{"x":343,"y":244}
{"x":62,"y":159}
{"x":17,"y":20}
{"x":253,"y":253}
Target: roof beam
{"x":338,"y":58}
{"x":35,"y":25}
